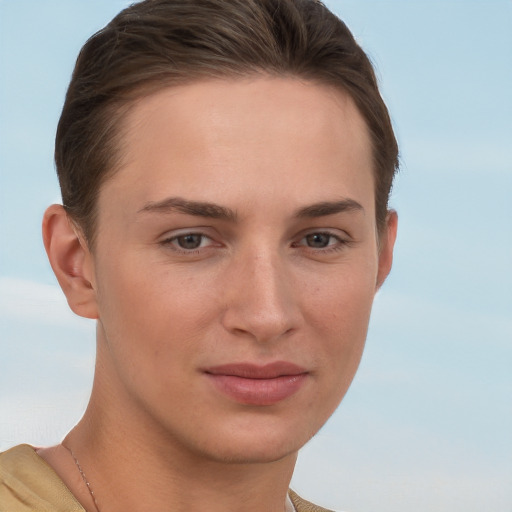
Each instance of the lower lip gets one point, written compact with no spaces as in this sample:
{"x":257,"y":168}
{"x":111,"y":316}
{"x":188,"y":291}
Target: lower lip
{"x":258,"y":391}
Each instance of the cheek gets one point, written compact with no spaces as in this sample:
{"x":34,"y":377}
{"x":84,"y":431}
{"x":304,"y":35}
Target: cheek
{"x":152,"y":314}
{"x":339,"y":312}
{"x":341,"y":301}
{"x":152,"y":293}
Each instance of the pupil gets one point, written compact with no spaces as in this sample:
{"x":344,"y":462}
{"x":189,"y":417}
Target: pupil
{"x":189,"y":241}
{"x":318,"y":240}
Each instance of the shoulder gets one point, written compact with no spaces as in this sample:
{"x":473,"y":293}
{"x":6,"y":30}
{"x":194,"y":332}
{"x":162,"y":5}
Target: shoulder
{"x":28,"y":483}
{"x":301,"y":505}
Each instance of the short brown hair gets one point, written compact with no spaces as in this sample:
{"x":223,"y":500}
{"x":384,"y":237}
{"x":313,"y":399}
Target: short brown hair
{"x":158,"y":43}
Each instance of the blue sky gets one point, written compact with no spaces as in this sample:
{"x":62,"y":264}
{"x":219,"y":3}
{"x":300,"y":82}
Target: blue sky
{"x":427,"y":423}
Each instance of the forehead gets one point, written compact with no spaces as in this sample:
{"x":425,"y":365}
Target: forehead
{"x":212,"y":139}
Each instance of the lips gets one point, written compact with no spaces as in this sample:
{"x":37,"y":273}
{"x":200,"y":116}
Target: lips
{"x":252,"y":384}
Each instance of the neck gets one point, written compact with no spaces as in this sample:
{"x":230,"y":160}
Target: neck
{"x":130,"y":475}
{"x":131,"y":470}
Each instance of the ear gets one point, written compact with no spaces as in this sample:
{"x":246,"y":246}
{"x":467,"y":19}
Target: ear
{"x":386,"y":245}
{"x":71,"y":261}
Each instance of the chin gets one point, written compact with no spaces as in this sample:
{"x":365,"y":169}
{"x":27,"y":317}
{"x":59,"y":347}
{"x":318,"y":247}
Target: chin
{"x":256,"y":444}
{"x":251,"y":453}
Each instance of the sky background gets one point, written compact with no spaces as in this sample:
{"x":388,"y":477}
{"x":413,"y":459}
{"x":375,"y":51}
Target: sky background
{"x":427,"y":423}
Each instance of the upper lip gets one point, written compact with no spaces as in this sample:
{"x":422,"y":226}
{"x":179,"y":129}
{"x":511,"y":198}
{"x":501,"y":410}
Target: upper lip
{"x":256,"y":371}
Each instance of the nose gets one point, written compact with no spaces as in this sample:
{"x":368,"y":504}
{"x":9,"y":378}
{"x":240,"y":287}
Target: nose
{"x":261,"y":300}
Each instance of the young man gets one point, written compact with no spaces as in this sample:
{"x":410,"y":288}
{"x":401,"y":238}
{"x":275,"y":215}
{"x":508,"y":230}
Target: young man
{"x":225,"y":168}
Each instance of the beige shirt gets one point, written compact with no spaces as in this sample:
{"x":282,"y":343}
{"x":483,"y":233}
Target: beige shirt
{"x":28,"y":484}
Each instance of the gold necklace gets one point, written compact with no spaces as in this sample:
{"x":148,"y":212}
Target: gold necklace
{"x":84,"y":478}
{"x":288,"y":504}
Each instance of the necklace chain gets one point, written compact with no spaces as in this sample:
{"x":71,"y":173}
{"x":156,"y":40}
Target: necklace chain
{"x":84,"y":478}
{"x":91,"y":492}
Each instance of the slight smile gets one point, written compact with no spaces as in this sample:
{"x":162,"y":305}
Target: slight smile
{"x":251,"y":384}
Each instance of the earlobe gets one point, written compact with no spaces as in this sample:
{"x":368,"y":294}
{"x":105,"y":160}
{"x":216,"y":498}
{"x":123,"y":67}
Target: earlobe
{"x":71,"y":261}
{"x":386,"y":245}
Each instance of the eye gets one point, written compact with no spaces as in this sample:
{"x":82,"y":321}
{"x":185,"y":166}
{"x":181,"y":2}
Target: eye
{"x":188,"y":241}
{"x":323,"y":243}
{"x":319,"y":240}
{"x":191,"y":241}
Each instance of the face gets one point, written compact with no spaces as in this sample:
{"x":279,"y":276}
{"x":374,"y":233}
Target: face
{"x":236,"y":264}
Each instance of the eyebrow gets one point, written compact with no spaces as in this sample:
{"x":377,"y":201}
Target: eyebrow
{"x":329,"y":208}
{"x":215,"y":211}
{"x":197,"y":208}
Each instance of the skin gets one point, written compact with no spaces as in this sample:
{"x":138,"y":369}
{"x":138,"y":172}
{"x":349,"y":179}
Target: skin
{"x":273,"y":278}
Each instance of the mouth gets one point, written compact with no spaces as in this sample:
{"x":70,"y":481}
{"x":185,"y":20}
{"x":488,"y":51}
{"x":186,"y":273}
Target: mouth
{"x":251,"y":384}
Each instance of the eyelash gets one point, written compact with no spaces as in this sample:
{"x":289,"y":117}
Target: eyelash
{"x":339,"y":244}
{"x":169,"y":242}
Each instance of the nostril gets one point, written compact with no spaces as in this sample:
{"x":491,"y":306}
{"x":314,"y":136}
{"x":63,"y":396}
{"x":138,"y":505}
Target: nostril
{"x":262,"y":327}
